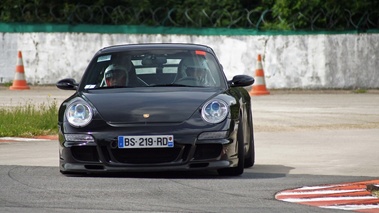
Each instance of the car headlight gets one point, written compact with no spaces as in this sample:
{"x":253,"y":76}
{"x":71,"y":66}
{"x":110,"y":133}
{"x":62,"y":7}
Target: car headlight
{"x":79,"y":114}
{"x":214,"y":111}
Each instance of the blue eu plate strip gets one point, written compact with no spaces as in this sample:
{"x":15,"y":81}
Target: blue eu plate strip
{"x":120,"y":142}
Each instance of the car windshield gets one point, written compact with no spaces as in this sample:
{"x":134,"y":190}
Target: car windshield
{"x":153,"y":68}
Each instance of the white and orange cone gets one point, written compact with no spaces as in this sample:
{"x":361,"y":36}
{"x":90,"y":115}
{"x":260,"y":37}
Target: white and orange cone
{"x":259,"y":87}
{"x":19,"y":82}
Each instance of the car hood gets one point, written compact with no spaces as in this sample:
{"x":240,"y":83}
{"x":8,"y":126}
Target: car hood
{"x":148,"y":107}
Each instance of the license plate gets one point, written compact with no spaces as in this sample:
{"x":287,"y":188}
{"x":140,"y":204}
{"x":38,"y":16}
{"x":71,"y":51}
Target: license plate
{"x":146,"y":141}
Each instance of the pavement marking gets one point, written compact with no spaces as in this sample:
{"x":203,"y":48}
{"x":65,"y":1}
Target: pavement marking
{"x":352,"y":196}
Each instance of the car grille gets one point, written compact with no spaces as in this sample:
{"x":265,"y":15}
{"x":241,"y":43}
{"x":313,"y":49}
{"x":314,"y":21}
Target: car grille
{"x":85,"y":153}
{"x":207,"y":151}
{"x":148,"y":156}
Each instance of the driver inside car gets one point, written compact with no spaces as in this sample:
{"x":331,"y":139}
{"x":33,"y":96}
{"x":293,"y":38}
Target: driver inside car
{"x":194,"y":68}
{"x":116,"y":75}
{"x":197,"y":73}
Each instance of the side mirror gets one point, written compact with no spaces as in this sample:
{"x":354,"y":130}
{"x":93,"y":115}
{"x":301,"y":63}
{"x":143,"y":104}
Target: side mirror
{"x":67,"y":84}
{"x":241,"y":81}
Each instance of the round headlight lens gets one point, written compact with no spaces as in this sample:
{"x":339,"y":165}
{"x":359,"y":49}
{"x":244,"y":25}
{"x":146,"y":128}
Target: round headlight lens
{"x":214,"y":111}
{"x":79,"y":114}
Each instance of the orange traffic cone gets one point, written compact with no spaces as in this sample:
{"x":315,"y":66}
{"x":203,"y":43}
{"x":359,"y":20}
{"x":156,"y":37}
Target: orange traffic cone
{"x":19,"y":82}
{"x":259,"y":87}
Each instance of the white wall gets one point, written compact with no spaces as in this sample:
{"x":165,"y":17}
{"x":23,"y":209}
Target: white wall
{"x":340,"y":61}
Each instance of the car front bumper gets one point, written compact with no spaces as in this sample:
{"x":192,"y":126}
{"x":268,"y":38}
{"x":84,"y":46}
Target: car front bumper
{"x":188,"y":153}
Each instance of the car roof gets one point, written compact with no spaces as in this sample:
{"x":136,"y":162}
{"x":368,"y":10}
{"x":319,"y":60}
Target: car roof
{"x":144,"y":46}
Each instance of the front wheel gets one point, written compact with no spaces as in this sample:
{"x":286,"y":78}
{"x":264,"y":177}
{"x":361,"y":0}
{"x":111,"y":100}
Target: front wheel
{"x":235,"y":171}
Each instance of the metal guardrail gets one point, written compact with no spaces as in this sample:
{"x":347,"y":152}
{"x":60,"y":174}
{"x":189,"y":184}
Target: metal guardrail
{"x":85,"y":14}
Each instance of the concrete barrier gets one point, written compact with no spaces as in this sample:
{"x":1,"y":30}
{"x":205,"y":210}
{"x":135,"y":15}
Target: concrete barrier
{"x":322,"y":61}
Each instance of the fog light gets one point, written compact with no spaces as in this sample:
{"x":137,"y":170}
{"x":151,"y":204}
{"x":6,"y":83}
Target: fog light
{"x":82,"y":138}
{"x":212,"y":135}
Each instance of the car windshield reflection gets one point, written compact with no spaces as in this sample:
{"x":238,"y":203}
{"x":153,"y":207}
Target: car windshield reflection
{"x":154,"y":68}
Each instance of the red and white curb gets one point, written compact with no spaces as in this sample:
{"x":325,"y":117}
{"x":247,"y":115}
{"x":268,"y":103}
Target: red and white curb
{"x":15,"y":139}
{"x":347,"y":196}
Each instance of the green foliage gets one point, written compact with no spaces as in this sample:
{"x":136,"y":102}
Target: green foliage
{"x":29,"y":120}
{"x":329,"y":14}
{"x":261,"y":14}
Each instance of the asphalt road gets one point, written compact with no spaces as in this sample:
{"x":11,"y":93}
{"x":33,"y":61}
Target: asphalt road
{"x":303,"y":138}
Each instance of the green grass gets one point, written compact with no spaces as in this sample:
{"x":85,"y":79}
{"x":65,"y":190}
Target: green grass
{"x":7,"y":84}
{"x":360,"y":91}
{"x":29,"y":120}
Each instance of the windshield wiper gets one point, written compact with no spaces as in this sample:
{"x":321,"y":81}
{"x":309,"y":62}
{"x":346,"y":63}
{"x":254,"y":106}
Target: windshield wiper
{"x":109,"y":87}
{"x":170,"y":85}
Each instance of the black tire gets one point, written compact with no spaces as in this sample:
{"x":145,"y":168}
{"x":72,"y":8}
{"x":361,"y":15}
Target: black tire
{"x":250,"y":155}
{"x":236,"y":171}
{"x":250,"y":160}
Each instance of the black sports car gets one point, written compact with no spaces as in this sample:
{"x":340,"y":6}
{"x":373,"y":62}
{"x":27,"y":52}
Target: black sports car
{"x":156,"y":107}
